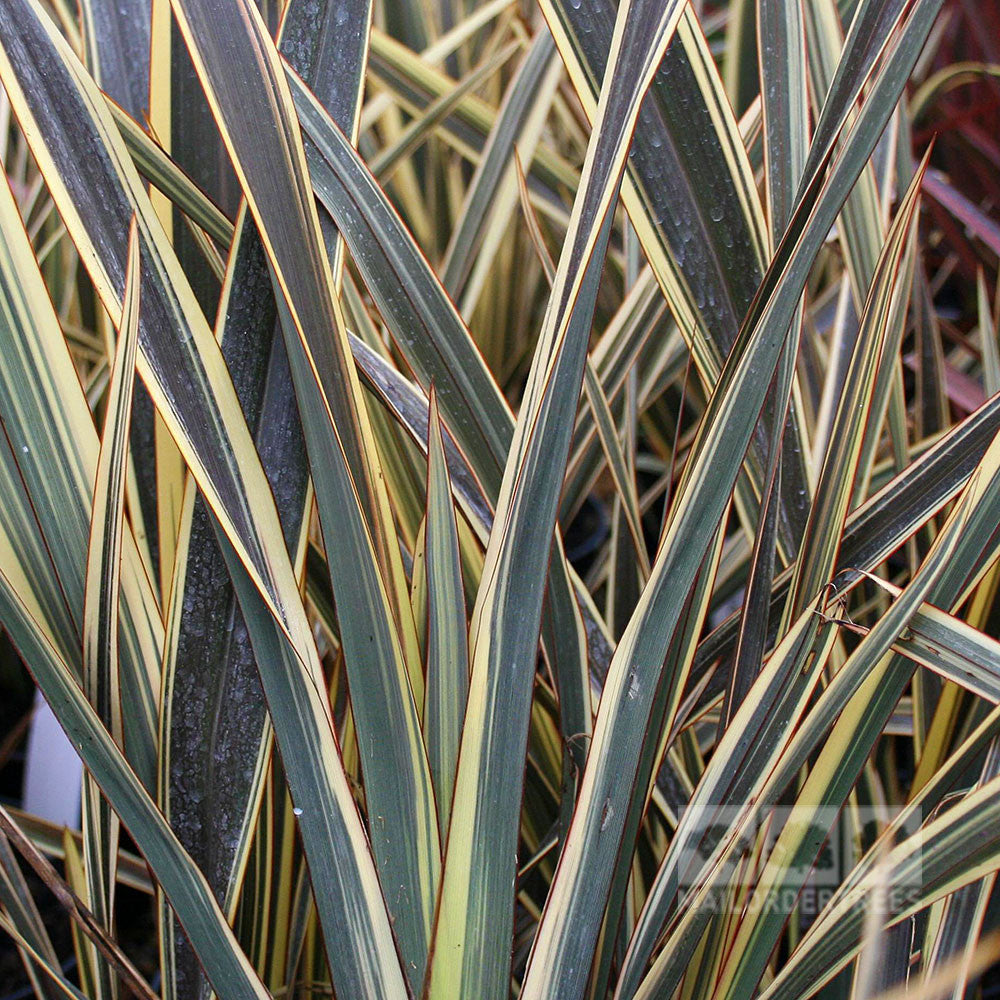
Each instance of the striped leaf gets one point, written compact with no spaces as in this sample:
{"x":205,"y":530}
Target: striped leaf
{"x":447,"y":637}
{"x":471,"y":950}
{"x":225,"y":964}
{"x":100,"y":608}
{"x":214,"y":810}
{"x":52,"y":462}
{"x":582,"y":878}
{"x":215,"y":442}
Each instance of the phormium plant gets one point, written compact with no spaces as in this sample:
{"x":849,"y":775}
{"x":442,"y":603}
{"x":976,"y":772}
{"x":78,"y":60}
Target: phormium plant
{"x":502,"y":499}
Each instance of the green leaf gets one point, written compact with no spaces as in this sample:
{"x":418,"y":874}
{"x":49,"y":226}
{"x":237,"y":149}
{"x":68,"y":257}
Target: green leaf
{"x":617,"y":463}
{"x":417,"y":131}
{"x":472,"y":947}
{"x":947,"y":853}
{"x":883,"y":523}
{"x":414,"y":83}
{"x":581,"y":881}
{"x":447,"y":635}
{"x":157,"y":167}
{"x":744,"y":964}
{"x":175,"y":369}
{"x":366,"y":570}
{"x":835,"y":485}
{"x":223,"y":712}
{"x":690,"y":195}
{"x":182,"y":366}
{"x":423,"y":321}
{"x":951,"y":647}
{"x":784,"y":105}
{"x":189,"y":893}
{"x":100,"y":609}
{"x":436,"y":344}
{"x":748,"y":749}
{"x":964,"y":912}
{"x":957,"y":559}
{"x":639,"y":335}
{"x":491,"y":194}
{"x":49,"y":473}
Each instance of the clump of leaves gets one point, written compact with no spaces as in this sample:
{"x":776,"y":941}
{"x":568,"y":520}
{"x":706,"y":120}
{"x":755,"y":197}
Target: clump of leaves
{"x":491,"y":521}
